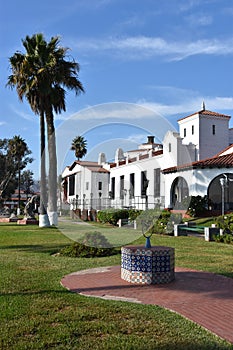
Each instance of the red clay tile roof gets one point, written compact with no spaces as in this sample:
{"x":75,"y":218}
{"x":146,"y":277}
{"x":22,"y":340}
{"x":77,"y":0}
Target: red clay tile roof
{"x":206,"y":112}
{"x":225,"y":161}
{"x":224,"y":150}
{"x":143,"y":156}
{"x":157,"y":153}
{"x":92,"y":166}
{"x":97,"y":169}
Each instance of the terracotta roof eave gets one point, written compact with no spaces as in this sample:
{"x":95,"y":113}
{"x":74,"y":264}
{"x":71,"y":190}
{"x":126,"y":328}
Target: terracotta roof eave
{"x":225,"y":161}
{"x":206,"y":112}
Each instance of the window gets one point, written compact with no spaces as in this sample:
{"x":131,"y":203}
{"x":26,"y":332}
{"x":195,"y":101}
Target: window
{"x":157,"y":182}
{"x":213,"y":129}
{"x":87,"y":186}
{"x":192,"y":129}
{"x":113,"y":188}
{"x":144,"y":184}
{"x":122,"y":187}
{"x":100,"y":186}
{"x":71,"y":185}
{"x":184,"y":132}
{"x":169,"y":147}
{"x":132,"y":183}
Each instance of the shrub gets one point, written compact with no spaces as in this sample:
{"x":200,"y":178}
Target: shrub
{"x":93,"y":244}
{"x":148,"y":217}
{"x":225,"y":222}
{"x":174,"y":219}
{"x":157,"y":221}
{"x":112,"y":215}
{"x":134,"y":213}
{"x":225,"y":238}
{"x":196,"y":205}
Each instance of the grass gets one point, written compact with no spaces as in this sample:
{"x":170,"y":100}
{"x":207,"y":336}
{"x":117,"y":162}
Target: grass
{"x":38,"y":313}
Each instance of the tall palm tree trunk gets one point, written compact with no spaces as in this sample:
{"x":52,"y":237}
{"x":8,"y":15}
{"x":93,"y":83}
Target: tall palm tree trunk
{"x":52,"y":176}
{"x":19,"y":194}
{"x":43,"y":217}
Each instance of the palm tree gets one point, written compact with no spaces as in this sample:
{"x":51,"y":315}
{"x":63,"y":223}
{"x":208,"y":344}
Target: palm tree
{"x":41,"y":75}
{"x":79,"y":146}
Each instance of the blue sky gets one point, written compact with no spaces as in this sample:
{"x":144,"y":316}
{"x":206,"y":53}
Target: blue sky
{"x":166,"y":56}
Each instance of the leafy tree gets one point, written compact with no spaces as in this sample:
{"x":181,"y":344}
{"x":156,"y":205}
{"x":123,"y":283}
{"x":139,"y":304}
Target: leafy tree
{"x":41,"y":75}
{"x":14,"y":157}
{"x":19,"y":152}
{"x":7,"y":170}
{"x":79,"y":146}
{"x":27,"y":181}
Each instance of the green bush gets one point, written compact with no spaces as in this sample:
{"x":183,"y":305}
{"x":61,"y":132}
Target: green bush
{"x":174,"y":219}
{"x":225,"y":222}
{"x":134,"y":213}
{"x":196,"y":205}
{"x":148,"y":217}
{"x":225,"y":238}
{"x":157,"y":221}
{"x":92,"y":244}
{"x":112,"y":216}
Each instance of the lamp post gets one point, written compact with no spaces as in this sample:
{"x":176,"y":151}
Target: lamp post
{"x":223,"y":183}
{"x":76,"y":202}
{"x":91,"y":200}
{"x":125,"y":194}
{"x":100,"y":195}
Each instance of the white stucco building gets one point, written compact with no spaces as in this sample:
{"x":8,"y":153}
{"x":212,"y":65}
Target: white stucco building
{"x":196,"y":160}
{"x":85,"y":185}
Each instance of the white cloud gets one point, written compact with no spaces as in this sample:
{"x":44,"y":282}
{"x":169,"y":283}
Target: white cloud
{"x":144,"y":109}
{"x":26,"y":116}
{"x":141,"y":47}
{"x":190,"y":105}
{"x":199,"y":20}
{"x":137,"y":138}
{"x":114,"y":110}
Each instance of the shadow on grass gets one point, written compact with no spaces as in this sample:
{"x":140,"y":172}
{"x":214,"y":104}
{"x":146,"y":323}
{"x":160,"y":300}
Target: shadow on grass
{"x":34,"y":293}
{"x":190,"y":346}
{"x":32,"y":248}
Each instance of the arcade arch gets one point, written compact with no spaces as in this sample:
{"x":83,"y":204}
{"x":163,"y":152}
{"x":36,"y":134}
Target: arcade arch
{"x":179,"y":191}
{"x":220,"y":190}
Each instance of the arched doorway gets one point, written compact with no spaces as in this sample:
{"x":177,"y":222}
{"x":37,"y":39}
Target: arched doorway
{"x":220,"y":193}
{"x":179,"y":191}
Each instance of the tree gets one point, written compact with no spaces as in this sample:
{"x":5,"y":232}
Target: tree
{"x":19,"y":152}
{"x":41,"y":75}
{"x":27,"y":181}
{"x":79,"y":146}
{"x":14,"y":157}
{"x":8,"y":182}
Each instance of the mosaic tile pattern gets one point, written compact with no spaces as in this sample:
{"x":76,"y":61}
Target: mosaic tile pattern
{"x":153,"y":265}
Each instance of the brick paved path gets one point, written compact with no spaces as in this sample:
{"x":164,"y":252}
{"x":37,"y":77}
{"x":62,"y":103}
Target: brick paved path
{"x":202,"y":297}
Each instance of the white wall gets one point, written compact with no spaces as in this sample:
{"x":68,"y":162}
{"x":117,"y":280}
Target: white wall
{"x":207,"y":144}
{"x":211,"y":144}
{"x":148,"y":165}
{"x":198,"y":181}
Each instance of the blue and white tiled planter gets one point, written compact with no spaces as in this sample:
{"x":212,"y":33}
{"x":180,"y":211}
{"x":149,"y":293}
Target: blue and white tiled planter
{"x":142,"y":265}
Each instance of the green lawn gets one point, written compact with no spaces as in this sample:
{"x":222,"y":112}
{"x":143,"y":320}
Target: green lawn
{"x":36,"y":312}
